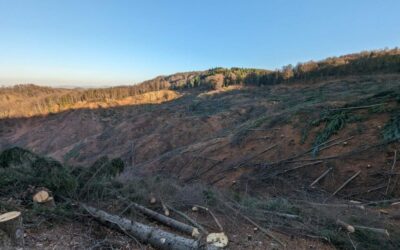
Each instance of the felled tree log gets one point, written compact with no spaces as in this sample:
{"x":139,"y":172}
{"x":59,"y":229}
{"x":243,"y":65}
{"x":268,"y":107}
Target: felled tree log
{"x":193,"y":222}
{"x":157,"y":238}
{"x":182,"y":227}
{"x":11,"y":224}
{"x":346,"y":182}
{"x":348,"y":227}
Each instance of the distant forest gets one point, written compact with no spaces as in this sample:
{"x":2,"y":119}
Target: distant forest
{"x":367,"y":62}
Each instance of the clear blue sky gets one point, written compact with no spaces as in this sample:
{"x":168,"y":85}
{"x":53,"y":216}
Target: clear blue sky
{"x":108,"y":42}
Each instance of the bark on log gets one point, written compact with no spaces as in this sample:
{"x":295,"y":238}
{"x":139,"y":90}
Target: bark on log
{"x":11,"y":224}
{"x":182,"y":227}
{"x":343,"y":224}
{"x":157,"y":238}
{"x":375,"y":230}
{"x":193,"y":222}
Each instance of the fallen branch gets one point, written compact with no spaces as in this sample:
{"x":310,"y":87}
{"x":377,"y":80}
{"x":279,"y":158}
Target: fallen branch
{"x":359,"y":107}
{"x":254,"y":156}
{"x":301,"y":154}
{"x":336,"y":143}
{"x":264,"y":230}
{"x":165,"y":208}
{"x":336,"y":205}
{"x":157,"y":238}
{"x":368,"y":191}
{"x":302,"y":166}
{"x":321,"y":176}
{"x":346,"y":182}
{"x":391,"y":171}
{"x":212,"y":215}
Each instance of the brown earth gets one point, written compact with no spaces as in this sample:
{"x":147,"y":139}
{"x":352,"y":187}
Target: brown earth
{"x":210,"y":134}
{"x":230,"y":138}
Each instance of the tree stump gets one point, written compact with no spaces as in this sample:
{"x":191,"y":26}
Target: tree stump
{"x":11,"y":224}
{"x":43,"y":198}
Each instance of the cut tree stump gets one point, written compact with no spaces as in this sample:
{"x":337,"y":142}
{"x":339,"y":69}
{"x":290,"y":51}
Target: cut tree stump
{"x":11,"y":224}
{"x":43,"y":198}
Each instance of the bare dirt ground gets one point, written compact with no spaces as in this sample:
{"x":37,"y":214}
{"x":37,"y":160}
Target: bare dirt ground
{"x":256,"y":140}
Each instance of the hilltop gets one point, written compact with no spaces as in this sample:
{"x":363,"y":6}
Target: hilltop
{"x":30,"y":100}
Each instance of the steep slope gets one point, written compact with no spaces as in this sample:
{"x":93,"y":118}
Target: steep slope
{"x":220,"y":136}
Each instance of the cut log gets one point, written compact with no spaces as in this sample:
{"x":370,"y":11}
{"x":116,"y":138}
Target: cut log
{"x":157,"y":238}
{"x":165,"y":208}
{"x":343,"y":224}
{"x":375,"y":230}
{"x":346,"y":182}
{"x":193,"y":222}
{"x":321,"y":176}
{"x":182,"y":227}
{"x":11,"y":224}
{"x":298,"y":167}
{"x":362,"y":207}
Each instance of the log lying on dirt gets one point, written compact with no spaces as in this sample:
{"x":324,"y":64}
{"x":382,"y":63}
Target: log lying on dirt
{"x":375,"y":230}
{"x":43,"y":197}
{"x":193,"y":222}
{"x":157,"y":238}
{"x":182,"y":227}
{"x":348,"y":227}
{"x":346,"y":182}
{"x":11,"y":224}
{"x":321,"y":176}
{"x":352,"y":228}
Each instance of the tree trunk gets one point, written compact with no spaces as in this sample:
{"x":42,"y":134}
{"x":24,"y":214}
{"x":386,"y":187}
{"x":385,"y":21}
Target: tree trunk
{"x":182,"y":227}
{"x":155,"y":237}
{"x":11,"y":224}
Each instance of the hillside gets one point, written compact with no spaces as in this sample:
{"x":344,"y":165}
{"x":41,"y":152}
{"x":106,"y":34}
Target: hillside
{"x":254,"y":135}
{"x":30,"y":100}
